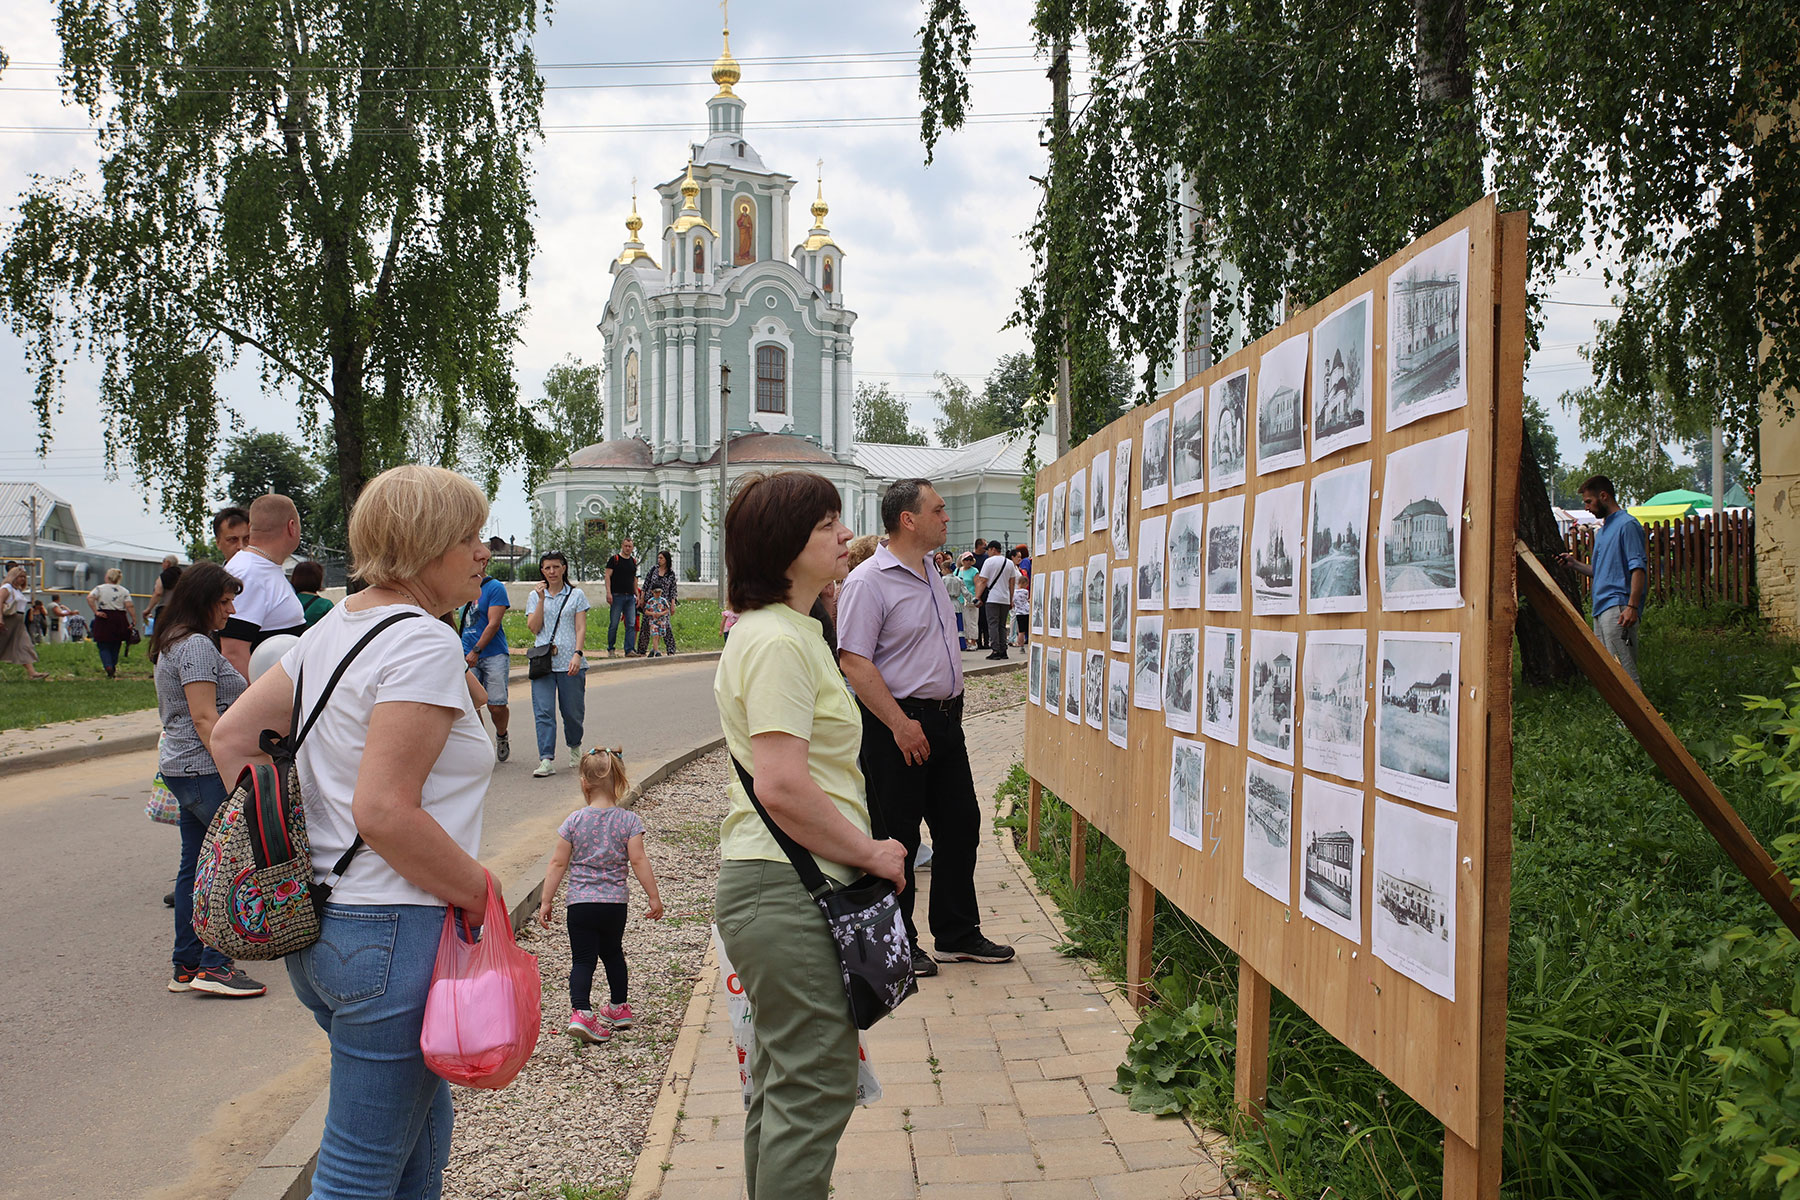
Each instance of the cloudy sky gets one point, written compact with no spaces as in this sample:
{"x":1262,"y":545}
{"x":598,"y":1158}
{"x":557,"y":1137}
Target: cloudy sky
{"x":933,"y":254}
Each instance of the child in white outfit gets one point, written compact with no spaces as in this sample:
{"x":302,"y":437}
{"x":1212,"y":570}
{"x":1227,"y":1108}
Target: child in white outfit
{"x":1021,"y":607}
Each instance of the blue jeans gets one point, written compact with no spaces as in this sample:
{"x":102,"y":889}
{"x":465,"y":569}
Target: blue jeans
{"x":199,"y":797}
{"x":559,"y":689}
{"x":109,"y":655}
{"x":627,"y":606}
{"x":387,"y":1124}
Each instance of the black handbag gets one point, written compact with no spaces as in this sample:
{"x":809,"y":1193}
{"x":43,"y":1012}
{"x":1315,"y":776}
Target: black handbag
{"x":537,"y":659}
{"x":865,"y":923}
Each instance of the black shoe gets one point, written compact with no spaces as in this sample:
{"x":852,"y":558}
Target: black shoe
{"x":923,"y":963}
{"x":977,"y":949}
{"x":169,"y":900}
{"x":997,"y":657}
{"x":228,"y":982}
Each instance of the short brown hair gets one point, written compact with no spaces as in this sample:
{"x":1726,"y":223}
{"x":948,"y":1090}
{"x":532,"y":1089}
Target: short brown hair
{"x":1598,"y":485}
{"x":308,"y":576}
{"x":863,"y":548}
{"x":767,"y":526}
{"x":407,"y":517}
{"x":272,"y":511}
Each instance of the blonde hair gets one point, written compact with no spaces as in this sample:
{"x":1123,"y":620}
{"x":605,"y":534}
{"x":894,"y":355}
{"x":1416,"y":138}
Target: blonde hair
{"x":603,"y":770}
{"x":407,"y":517}
{"x":113,"y":575}
{"x":861,"y":548}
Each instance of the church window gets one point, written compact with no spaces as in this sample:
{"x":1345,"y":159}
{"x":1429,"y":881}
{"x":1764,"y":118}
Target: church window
{"x":1197,"y":336}
{"x":771,"y":379}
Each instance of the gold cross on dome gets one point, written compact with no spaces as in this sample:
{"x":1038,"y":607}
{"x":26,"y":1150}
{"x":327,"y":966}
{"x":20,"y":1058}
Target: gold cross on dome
{"x":725,"y":14}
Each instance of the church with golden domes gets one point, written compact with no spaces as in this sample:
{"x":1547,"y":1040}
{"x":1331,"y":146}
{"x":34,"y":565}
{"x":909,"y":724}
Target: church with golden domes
{"x":726,"y":284}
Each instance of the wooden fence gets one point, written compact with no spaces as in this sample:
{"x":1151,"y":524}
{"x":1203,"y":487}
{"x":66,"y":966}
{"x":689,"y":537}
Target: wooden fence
{"x":1699,"y":558}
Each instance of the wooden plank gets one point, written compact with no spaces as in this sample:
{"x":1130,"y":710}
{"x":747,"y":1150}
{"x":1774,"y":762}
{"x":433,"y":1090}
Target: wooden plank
{"x":1252,"y":1081}
{"x":1078,"y":850}
{"x":1659,"y":741}
{"x":1140,"y":930}
{"x":1469,"y":1174}
{"x":1034,"y":811}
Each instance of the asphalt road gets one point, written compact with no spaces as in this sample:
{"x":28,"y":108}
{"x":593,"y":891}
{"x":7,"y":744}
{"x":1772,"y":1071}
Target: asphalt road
{"x":113,"y":1086}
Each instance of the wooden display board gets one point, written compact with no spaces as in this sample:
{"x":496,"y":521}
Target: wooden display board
{"x":1445,"y":1046}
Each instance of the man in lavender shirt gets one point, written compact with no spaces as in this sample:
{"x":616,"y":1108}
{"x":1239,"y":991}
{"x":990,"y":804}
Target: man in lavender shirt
{"x":897,"y":647}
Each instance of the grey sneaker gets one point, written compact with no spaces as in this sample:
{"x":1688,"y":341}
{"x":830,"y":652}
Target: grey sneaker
{"x":546,"y":768}
{"x":502,"y":748}
{"x":574,"y":758}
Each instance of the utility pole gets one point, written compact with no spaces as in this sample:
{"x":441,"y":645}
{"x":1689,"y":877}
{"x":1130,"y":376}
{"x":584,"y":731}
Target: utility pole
{"x":1059,"y":133}
{"x":38,"y":562}
{"x":724,"y":464}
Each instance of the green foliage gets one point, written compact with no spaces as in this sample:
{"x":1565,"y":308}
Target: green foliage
{"x":965,"y":414}
{"x":573,"y":413}
{"x":881,"y":417}
{"x":650,"y":521}
{"x":339,"y":191}
{"x":501,"y":569}
{"x":257,"y":463}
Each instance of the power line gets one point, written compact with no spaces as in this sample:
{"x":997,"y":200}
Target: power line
{"x":838,"y":123}
{"x":988,"y":54}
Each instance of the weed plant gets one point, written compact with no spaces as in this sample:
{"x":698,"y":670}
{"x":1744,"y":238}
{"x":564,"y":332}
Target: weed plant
{"x":1619,"y":986}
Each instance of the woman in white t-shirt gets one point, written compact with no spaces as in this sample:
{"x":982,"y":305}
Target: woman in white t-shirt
{"x":115,"y":616}
{"x":415,"y":797}
{"x":15,"y":643}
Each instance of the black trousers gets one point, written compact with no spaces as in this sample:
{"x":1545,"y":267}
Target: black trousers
{"x":596,"y":933}
{"x":996,"y":615}
{"x":941,"y":793}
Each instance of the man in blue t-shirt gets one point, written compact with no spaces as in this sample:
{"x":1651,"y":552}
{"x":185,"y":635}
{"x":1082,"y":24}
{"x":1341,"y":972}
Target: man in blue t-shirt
{"x":484,"y":649}
{"x":1620,"y":571}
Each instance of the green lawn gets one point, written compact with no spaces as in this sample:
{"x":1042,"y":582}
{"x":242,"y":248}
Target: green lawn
{"x":77,"y":686}
{"x":696,"y":626}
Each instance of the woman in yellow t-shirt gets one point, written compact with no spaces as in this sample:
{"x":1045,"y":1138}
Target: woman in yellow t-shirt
{"x":792,"y":724}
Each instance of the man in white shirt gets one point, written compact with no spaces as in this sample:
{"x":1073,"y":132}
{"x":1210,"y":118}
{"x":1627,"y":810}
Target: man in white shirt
{"x":267,"y":606}
{"x":999,"y":576}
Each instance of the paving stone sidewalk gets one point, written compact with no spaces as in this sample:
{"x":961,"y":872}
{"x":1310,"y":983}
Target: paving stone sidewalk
{"x":997,"y":1079}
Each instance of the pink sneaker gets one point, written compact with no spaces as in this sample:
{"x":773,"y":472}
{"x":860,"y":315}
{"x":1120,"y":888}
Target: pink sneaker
{"x":584,"y":1028}
{"x":619,"y":1016}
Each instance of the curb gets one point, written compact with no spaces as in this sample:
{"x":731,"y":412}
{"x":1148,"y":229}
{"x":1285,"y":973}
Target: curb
{"x":285,"y":1173}
{"x":659,"y":1137}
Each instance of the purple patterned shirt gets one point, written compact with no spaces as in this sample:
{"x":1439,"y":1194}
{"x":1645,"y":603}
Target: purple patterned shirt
{"x":602,"y":841}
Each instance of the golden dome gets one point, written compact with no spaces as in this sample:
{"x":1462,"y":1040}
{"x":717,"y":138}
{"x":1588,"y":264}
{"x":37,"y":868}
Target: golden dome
{"x":634,"y":249}
{"x":634,"y":222}
{"x":725,"y":68}
{"x":820,"y":208}
{"x":819,"y":237}
{"x":690,"y":212}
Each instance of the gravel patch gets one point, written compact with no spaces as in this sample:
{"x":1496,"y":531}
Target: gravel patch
{"x":572,"y":1123}
{"x":985,"y":693}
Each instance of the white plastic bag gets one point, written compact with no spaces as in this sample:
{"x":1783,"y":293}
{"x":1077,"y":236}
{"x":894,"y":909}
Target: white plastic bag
{"x":743,"y":1032}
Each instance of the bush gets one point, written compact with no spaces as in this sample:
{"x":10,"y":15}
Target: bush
{"x":529,"y":573}
{"x":501,"y":570}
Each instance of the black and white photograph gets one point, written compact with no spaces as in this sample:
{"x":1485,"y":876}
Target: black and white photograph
{"x":1187,"y":455}
{"x":1059,"y":516}
{"x":1038,"y":589}
{"x":1268,"y":825}
{"x":1057,"y":582}
{"x":1412,"y":905}
{"x":1225,"y":555}
{"x":1341,"y":355}
{"x":1156,"y":461}
{"x":1337,"y":528}
{"x":1331,"y":817}
{"x":1227,"y":403}
{"x":1281,"y":406}
{"x":1096,"y":593}
{"x":1118,"y":614}
{"x":1034,"y":674}
{"x":1187,"y":793}
{"x":1275,"y":561}
{"x":1078,"y":506}
{"x":1075,"y":604}
{"x":1181,"y":680}
{"x":1146,"y":663}
{"x":1220,"y":685}
{"x":1335,"y":686}
{"x":1073,"y":678}
{"x":1421,"y":525}
{"x":1121,"y":500}
{"x":1272,"y":672}
{"x":1095,"y":689}
{"x":1040,"y":525}
{"x":1100,"y":491}
{"x":1053,"y":683}
{"x":1150,"y":564}
{"x":1415,"y":716}
{"x":1187,"y":565}
{"x":1118,"y":700}
{"x":1427,"y":336}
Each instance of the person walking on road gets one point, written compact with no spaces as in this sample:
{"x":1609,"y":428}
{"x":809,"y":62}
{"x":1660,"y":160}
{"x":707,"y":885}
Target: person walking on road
{"x":556,"y":613}
{"x":999,"y":575}
{"x":195,"y":686}
{"x":897,"y":646}
{"x":621,"y":597}
{"x":15,"y":643}
{"x":399,"y":758}
{"x":115,"y":619}
{"x":792,"y":726}
{"x":1620,"y":571}
{"x":484,"y":649}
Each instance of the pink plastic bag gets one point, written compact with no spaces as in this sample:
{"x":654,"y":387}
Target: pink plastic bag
{"x":483,"y":1014}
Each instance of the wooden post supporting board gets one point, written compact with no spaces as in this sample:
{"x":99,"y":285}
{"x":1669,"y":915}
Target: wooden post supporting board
{"x":1140,"y":931}
{"x":1077,"y":849}
{"x":1252,"y":1042}
{"x":1654,"y":734}
{"x":1034,"y":811}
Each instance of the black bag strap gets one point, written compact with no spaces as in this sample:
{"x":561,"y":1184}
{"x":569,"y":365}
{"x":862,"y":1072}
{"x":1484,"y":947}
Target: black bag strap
{"x":568,"y":595}
{"x":811,"y":878}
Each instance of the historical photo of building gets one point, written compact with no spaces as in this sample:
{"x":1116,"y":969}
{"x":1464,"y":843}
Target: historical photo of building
{"x":1227,"y":403}
{"x":1331,"y":823}
{"x":1427,"y":335}
{"x":1412,"y":923}
{"x":1187,"y":566}
{"x":1415,"y":716}
{"x":1075,"y":609}
{"x":1421,"y":524}
{"x":1150,"y":564}
{"x":1059,"y":516}
{"x":1336,"y":701}
{"x":1034,"y":673}
{"x":1078,"y":506}
{"x":1119,"y":614}
{"x":1096,"y":593}
{"x":1219,"y":691}
{"x":1272,"y":662}
{"x":1040,"y":587}
{"x":1224,"y":555}
{"x":1341,"y":354}
{"x":1146,"y":663}
{"x":1057,"y":582}
{"x":1121,"y":500}
{"x":1053,"y":683}
{"x":1337,"y":528}
{"x":1181,"y":678}
{"x":1187,"y":793}
{"x":1187,"y":469}
{"x":1281,"y":406}
{"x":1072,"y":683}
{"x":1268,"y":823}
{"x":1099,"y":491}
{"x":1040,"y":526}
{"x":1095,"y":689}
{"x":1118,"y":700}
{"x":1156,"y":461}
{"x":1275,"y":544}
